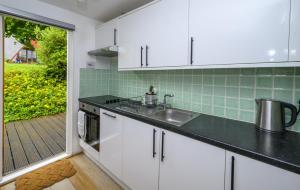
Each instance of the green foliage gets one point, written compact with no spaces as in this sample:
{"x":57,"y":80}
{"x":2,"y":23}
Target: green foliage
{"x":35,"y":90}
{"x":22,"y":31}
{"x":28,"y":94}
{"x":52,"y":51}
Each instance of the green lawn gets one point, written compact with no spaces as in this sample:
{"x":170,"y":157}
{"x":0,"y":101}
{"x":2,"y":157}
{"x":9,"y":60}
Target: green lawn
{"x":10,"y":67}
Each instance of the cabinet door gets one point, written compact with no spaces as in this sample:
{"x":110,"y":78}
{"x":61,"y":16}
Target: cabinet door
{"x":239,"y":31}
{"x":111,"y":142}
{"x":295,"y":31}
{"x":190,"y":164}
{"x":130,"y":38}
{"x":166,"y":33}
{"x":250,"y":174}
{"x":140,"y":165}
{"x":106,"y":34}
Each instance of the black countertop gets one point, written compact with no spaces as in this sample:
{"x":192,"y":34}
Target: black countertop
{"x":281,"y":150}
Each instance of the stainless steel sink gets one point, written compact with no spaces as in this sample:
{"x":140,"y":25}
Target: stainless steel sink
{"x":175,"y":116}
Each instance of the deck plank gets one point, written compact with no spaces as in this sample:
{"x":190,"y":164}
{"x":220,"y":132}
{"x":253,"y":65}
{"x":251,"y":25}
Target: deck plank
{"x":58,"y":129}
{"x":40,"y":145}
{"x":8,"y":164}
{"x":62,"y":116}
{"x":52,"y":132}
{"x":53,"y":146}
{"x":18,"y":153}
{"x":61,"y":120}
{"x":29,"y":141}
{"x":27,"y":144}
{"x":58,"y":122}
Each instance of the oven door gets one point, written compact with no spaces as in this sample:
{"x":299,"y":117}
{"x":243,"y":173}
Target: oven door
{"x":92,"y":130}
{"x":89,"y":136}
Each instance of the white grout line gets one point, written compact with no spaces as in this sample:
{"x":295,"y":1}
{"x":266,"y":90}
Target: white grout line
{"x":273,"y":83}
{"x":213,"y":92}
{"x":255,"y":89}
{"x":239,"y":94}
{"x":182,"y":83}
{"x":202,"y":89}
{"x":192,"y":90}
{"x":225,"y":98}
{"x":294,"y":87}
{"x":129,"y":87}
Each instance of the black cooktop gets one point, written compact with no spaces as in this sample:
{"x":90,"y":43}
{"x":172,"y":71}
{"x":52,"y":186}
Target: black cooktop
{"x":107,"y":99}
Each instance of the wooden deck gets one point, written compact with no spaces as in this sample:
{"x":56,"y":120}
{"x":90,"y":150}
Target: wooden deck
{"x":30,"y":141}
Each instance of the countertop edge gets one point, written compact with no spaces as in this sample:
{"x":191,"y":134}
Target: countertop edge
{"x":244,"y":152}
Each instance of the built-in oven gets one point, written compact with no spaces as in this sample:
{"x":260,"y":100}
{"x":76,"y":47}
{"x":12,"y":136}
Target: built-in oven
{"x":89,"y":128}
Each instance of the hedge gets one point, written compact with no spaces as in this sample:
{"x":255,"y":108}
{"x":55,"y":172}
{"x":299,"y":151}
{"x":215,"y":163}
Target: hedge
{"x":29,"y":94}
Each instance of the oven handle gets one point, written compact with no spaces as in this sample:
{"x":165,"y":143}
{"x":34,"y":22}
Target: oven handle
{"x":85,"y":121}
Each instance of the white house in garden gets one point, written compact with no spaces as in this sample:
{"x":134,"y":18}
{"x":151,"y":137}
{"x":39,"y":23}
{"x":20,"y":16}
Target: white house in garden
{"x":17,"y":52}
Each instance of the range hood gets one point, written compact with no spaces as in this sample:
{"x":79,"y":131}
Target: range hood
{"x":110,"y":51}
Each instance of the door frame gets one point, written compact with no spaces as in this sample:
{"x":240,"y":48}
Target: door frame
{"x":70,"y":114}
{"x":1,"y":94}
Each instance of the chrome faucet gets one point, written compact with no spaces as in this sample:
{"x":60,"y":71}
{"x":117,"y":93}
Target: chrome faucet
{"x":164,"y":104}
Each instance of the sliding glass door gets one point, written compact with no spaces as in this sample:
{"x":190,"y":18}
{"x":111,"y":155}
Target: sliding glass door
{"x":34,"y":93}
{"x":1,"y":92}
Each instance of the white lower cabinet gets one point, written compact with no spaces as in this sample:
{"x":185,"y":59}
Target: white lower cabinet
{"x":111,"y":142}
{"x":190,"y":164}
{"x":159,"y":159}
{"x":145,"y":157}
{"x":140,"y":165}
{"x":243,"y":173}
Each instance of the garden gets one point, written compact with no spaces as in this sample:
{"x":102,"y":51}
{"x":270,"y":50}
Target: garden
{"x":36,"y":89}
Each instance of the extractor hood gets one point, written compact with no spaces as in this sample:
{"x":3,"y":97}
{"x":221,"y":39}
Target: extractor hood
{"x":110,"y":51}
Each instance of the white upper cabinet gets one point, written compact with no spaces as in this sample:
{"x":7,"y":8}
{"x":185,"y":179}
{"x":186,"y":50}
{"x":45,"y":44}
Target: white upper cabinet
{"x":239,"y":31}
{"x":244,"y":173}
{"x":111,"y":142}
{"x":106,"y":34}
{"x":130,"y":37}
{"x":166,"y":40}
{"x":295,"y":31}
{"x":140,"y":155}
{"x":190,"y":164}
{"x":154,"y":36}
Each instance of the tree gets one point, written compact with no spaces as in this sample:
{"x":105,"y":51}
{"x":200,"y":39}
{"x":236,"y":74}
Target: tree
{"x":22,"y":31}
{"x":52,"y":51}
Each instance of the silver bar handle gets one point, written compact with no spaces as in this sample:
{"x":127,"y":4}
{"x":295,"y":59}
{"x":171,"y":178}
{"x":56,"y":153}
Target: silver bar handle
{"x":115,"y":36}
{"x":112,"y":116}
{"x":192,"y":51}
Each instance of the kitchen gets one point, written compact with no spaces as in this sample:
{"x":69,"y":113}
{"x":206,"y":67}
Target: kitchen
{"x":187,"y":94}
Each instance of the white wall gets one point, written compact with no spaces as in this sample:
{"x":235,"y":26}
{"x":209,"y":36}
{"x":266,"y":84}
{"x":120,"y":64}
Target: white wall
{"x":12,"y":46}
{"x":84,"y":40}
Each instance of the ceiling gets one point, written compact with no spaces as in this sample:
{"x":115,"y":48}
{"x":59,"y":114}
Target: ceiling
{"x":102,"y":10}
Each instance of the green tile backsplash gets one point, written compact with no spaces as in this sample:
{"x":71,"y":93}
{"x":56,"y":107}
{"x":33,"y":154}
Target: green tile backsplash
{"x":94,"y":82}
{"x":228,"y":93}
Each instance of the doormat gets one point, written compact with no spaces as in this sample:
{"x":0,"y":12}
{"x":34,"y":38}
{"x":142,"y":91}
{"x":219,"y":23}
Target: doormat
{"x":45,"y":176}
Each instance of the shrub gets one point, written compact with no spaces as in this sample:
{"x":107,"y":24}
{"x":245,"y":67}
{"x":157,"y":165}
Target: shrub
{"x":28,"y":94}
{"x":52,"y":51}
